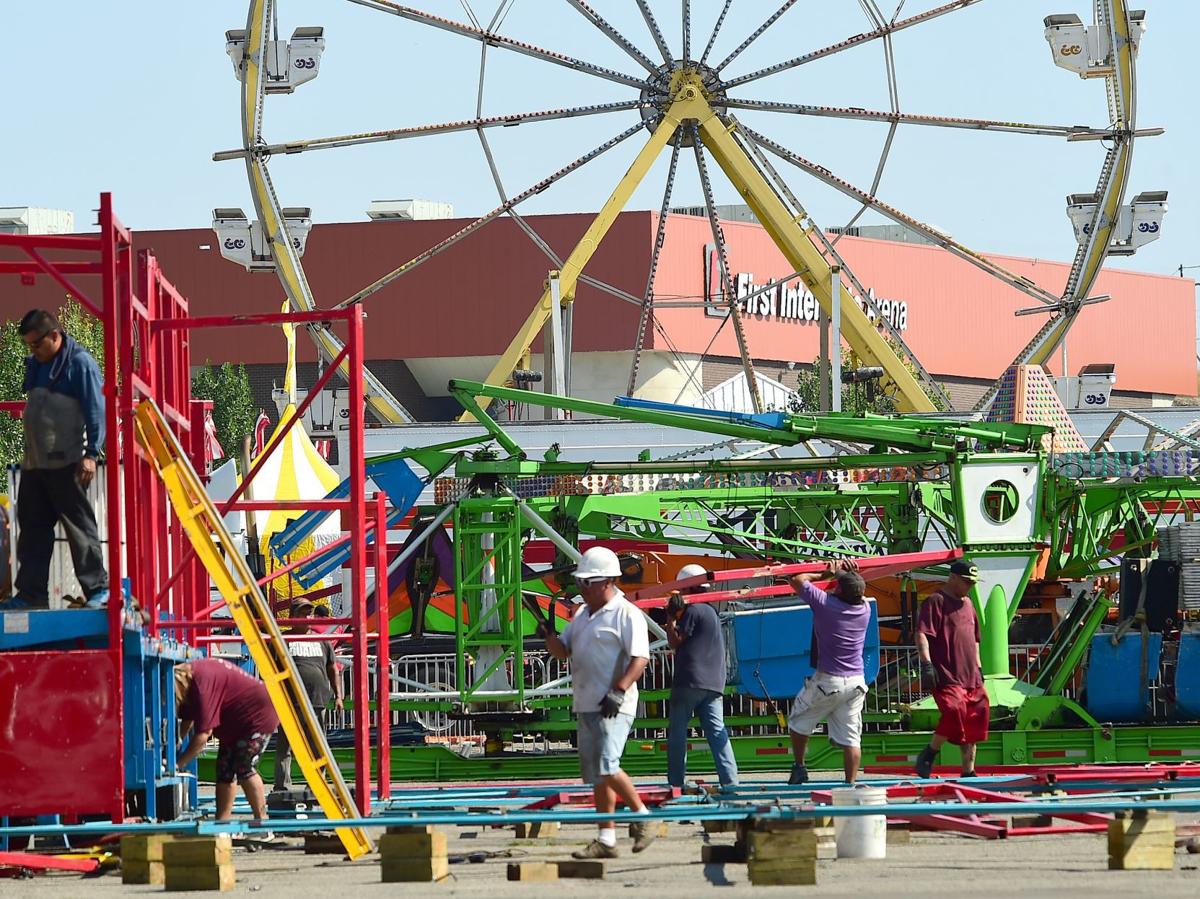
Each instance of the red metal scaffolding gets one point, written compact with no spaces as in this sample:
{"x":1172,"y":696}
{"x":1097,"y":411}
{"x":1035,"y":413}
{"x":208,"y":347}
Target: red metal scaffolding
{"x":147,"y":356}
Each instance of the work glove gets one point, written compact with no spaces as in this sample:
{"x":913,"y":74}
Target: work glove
{"x":929,"y":676}
{"x":610,"y":705}
{"x":675,"y":605}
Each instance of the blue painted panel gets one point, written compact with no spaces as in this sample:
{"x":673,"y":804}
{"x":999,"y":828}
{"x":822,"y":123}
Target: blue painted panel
{"x":1115,"y":690}
{"x":770,"y":650}
{"x":1187,"y":676}
{"x":47,"y":627}
{"x":772,"y":420}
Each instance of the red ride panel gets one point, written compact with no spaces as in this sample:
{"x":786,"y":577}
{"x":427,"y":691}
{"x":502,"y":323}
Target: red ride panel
{"x":60,"y":728}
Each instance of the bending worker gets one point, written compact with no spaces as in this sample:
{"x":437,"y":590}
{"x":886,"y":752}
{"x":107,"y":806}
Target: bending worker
{"x":948,"y":644}
{"x":214,"y":697}
{"x":609,"y":647}
{"x":698,"y":683}
{"x":836,"y":689}
{"x":318,"y":672}
{"x":64,"y":433}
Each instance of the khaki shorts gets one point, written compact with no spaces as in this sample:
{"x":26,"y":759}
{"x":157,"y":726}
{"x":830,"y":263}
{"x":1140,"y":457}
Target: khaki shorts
{"x":838,"y":700}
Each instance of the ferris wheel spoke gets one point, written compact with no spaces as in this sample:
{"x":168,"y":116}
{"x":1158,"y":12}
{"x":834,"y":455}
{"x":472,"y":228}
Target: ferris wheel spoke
{"x":655,"y":31}
{"x":372,"y":137}
{"x":824,"y":175}
{"x":660,"y":238}
{"x":687,"y":31}
{"x":857,"y":40}
{"x":758,"y":32}
{"x":731,"y":300}
{"x":495,"y":39}
{"x":474,"y":226}
{"x":615,"y":36}
{"x":712,"y":38}
{"x":932,"y":387}
{"x":873,"y":115}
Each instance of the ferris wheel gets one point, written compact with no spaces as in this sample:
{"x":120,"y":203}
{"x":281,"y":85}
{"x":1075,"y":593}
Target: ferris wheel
{"x":692,"y":102}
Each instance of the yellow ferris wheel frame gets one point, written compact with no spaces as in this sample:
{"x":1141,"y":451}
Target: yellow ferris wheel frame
{"x":691,"y":106}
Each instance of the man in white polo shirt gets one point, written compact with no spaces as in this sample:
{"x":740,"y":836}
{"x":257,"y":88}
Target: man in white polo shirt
{"x":609,"y":647}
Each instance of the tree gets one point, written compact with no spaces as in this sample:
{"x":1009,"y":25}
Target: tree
{"x":76,"y":321}
{"x":856,"y":398}
{"x":228,"y":386}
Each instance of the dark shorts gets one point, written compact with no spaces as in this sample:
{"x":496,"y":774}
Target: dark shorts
{"x":238,"y":759}
{"x":964,"y":714}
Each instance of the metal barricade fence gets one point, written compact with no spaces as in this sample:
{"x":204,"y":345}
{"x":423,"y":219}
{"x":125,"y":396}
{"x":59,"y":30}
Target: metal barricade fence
{"x":432,"y":675}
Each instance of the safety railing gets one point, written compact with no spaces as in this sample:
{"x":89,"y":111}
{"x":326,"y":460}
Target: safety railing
{"x":432,"y":676}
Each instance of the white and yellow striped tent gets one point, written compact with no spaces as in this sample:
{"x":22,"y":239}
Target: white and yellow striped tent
{"x":293,"y":470}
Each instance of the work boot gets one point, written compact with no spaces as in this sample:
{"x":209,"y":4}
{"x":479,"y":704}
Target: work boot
{"x":596,"y":849}
{"x":925,"y":760}
{"x":642,"y":834}
{"x":98,"y":600}
{"x":799,"y":775}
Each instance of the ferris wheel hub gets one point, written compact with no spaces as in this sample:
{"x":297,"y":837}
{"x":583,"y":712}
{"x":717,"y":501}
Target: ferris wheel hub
{"x":678,"y":80}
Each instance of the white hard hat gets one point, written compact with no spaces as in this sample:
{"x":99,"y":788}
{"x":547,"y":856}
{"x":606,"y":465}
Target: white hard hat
{"x":691,"y":570}
{"x":599,"y":561}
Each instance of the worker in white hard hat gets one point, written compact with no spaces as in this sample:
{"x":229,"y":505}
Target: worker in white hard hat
{"x":698,"y":683}
{"x":608,"y":646}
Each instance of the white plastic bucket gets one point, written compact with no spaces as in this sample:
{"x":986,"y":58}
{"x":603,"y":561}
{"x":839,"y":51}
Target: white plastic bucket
{"x":860,"y":836}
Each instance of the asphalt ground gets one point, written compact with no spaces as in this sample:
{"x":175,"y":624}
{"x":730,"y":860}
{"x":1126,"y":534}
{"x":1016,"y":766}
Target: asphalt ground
{"x":929,"y":864}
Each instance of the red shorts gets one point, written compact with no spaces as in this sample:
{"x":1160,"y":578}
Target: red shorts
{"x":964,"y":714}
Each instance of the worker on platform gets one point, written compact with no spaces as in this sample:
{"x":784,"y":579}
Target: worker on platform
{"x":215,"y":698}
{"x":609,"y":647}
{"x":698,"y":682}
{"x":948,"y":646}
{"x":63,"y":435}
{"x":318,"y":672}
{"x":836,"y":690}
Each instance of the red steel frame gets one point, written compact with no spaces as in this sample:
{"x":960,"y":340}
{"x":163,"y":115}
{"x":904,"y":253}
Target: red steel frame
{"x":975,"y":825}
{"x":353,"y":511}
{"x":147,"y":356}
{"x":109,"y":256}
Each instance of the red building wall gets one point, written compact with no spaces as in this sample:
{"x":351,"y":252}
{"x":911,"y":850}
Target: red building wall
{"x":470,"y":300}
{"x":960,"y":320}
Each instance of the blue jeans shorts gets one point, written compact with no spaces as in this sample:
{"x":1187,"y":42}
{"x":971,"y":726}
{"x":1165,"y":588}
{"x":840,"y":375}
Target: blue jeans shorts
{"x":601,"y":743}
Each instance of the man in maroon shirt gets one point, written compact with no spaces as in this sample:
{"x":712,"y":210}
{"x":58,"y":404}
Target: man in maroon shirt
{"x":948,"y":644}
{"x":217,"y":698}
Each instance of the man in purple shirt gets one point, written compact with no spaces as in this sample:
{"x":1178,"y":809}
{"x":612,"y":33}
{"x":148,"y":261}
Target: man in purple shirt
{"x":837,"y":688}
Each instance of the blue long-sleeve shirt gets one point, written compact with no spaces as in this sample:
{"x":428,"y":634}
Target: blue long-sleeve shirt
{"x":73,"y":373}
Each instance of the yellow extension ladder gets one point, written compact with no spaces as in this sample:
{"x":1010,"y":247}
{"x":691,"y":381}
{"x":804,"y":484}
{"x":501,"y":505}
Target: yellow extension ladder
{"x":254,"y":621}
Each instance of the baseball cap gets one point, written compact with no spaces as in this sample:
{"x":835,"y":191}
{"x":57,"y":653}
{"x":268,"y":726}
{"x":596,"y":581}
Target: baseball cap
{"x":302,"y":608}
{"x":965,"y":570}
{"x":851,"y":586}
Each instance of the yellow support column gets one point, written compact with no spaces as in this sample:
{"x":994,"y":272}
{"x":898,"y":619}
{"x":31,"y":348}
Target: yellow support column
{"x":690,"y":103}
{"x":207,"y":532}
{"x":861,"y":334}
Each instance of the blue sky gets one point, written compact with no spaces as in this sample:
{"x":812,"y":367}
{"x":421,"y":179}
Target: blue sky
{"x":135,"y":96}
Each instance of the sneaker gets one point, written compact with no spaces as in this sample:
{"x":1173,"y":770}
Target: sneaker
{"x":924,"y":765}
{"x":596,"y":849}
{"x":799,"y":775}
{"x":969,"y":774}
{"x":18,"y":604}
{"x":98,"y":600}
{"x":643,"y":834}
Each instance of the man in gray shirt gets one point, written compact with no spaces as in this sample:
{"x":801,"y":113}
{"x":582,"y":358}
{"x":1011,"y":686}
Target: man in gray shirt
{"x":698,"y":684}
